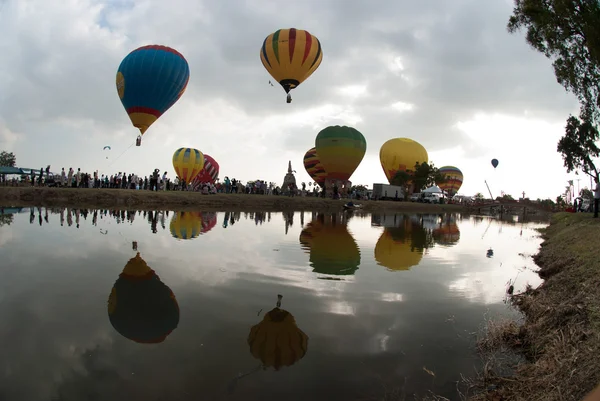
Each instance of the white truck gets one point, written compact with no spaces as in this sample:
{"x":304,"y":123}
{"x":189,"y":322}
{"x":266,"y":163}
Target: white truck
{"x":388,"y":192}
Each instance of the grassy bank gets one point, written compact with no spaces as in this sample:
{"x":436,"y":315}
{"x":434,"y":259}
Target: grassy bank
{"x":560,"y":337}
{"x":168,"y":200}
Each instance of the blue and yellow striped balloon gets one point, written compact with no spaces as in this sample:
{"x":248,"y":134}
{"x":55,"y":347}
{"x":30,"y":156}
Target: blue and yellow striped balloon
{"x":150,"y":80}
{"x":187,"y":163}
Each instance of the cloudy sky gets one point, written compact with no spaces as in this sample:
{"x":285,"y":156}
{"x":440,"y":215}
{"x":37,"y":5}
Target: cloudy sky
{"x":444,"y":73}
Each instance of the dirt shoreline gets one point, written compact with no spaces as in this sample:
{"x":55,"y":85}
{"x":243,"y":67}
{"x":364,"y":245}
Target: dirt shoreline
{"x":193,"y":201}
{"x":560,"y":336}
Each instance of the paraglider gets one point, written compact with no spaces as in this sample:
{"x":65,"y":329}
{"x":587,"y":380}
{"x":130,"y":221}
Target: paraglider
{"x":187,"y":163}
{"x":291,"y":56}
{"x":105,"y":148}
{"x":340,"y":150}
{"x":209,"y":173}
{"x":150,"y":80}
{"x":140,"y":307}
{"x":495,"y":163}
{"x":401,"y":154}
{"x":314,"y":168}
{"x":454,"y":180}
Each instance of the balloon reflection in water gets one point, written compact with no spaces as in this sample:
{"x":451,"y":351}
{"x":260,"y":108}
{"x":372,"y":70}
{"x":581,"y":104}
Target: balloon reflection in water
{"x":277,"y":341}
{"x":189,"y":225}
{"x":447,"y":234}
{"x":332,"y":248}
{"x":140,"y":307}
{"x":400,"y":248}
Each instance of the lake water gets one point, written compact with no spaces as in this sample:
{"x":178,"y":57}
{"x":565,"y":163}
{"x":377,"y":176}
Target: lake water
{"x":373,"y":307}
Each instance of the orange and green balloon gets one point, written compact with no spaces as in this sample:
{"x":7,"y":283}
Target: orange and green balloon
{"x":340,"y":150}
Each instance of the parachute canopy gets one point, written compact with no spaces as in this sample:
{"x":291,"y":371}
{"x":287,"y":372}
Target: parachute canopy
{"x":340,"y":150}
{"x":150,"y":80}
{"x":106,"y":147}
{"x":401,"y":154}
{"x":454,"y":180}
{"x":187,"y":163}
{"x":313,"y":167}
{"x":291,"y":56}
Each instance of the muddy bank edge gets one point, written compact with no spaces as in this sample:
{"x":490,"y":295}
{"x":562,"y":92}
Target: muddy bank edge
{"x":560,"y":337}
{"x":175,"y":200}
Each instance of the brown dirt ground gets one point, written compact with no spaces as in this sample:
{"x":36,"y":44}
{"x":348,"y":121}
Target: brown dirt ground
{"x":560,"y":337}
{"x":176,"y":200}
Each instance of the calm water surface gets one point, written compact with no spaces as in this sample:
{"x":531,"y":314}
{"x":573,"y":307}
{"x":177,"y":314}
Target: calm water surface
{"x":371,"y":306}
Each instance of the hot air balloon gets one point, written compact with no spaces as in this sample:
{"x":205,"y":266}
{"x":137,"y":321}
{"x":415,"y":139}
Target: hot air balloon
{"x":447,"y":234}
{"x":188,"y":163}
{"x":140,"y":307}
{"x":454,"y":180}
{"x":291,"y":56}
{"x":401,"y":154}
{"x":340,"y":150}
{"x":495,"y":163}
{"x":332,"y":248}
{"x":209,"y":173}
{"x":186,"y":225}
{"x":150,"y":80}
{"x":277,"y":341}
{"x":314,"y":168}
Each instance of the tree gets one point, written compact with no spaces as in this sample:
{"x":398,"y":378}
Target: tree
{"x":427,"y":175}
{"x":578,"y":146}
{"x":7,"y":159}
{"x":402,"y":179}
{"x":568,"y":33}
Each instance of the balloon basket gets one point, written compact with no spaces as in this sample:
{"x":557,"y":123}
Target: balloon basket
{"x":138,"y":141}
{"x":289,"y":98}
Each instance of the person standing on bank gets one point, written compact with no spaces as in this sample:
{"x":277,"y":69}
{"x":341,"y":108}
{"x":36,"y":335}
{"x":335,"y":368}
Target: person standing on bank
{"x":596,"y":198}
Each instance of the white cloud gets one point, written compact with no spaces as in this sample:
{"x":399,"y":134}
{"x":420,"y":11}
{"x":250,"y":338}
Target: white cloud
{"x":446,"y":74}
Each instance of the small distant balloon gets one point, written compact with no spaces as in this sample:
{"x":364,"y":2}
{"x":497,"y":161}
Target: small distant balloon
{"x":495,"y":163}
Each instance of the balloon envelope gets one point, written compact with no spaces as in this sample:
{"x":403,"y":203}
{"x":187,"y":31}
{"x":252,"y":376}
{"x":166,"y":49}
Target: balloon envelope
{"x":313,"y":167}
{"x":291,"y":56}
{"x":395,"y":253}
{"x":340,"y":150}
{"x":401,"y":154}
{"x":332,"y":248}
{"x":454,"y":179}
{"x":186,"y":225}
{"x":277,"y":341}
{"x":495,"y":163}
{"x":140,"y":307}
{"x":209,"y":173}
{"x":447,"y":234}
{"x":150,"y":80}
{"x":187,"y":163}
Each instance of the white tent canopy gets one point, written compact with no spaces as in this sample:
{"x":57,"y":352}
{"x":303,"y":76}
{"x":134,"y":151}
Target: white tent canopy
{"x":433,"y":190}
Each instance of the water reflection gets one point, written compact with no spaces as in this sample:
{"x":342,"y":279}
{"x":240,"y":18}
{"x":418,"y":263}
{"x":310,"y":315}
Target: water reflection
{"x":332,"y":248}
{"x":277,"y":341}
{"x":140,"y":307}
{"x":189,"y":225}
{"x":371,"y":333}
{"x":447,"y":233}
{"x":403,"y":240}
